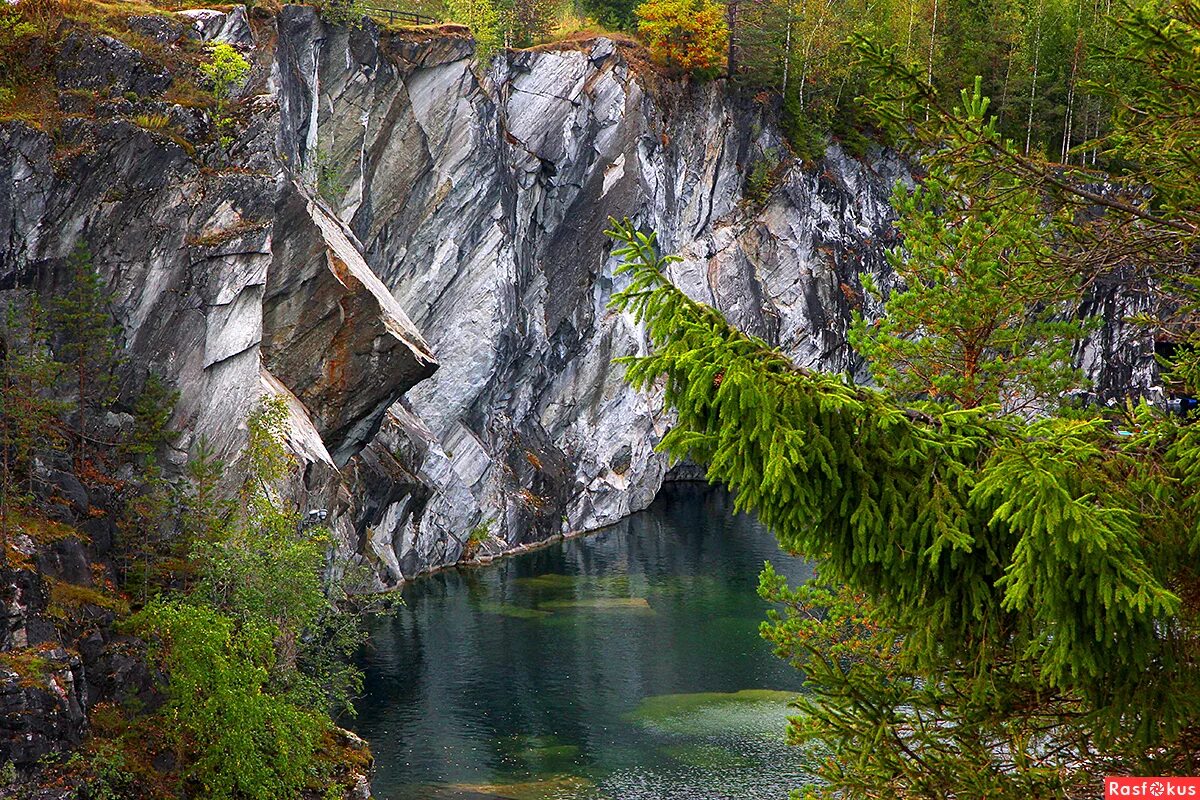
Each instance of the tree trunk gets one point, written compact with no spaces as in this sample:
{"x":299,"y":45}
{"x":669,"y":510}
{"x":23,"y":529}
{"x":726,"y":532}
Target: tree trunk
{"x":932,"y":40}
{"x":787,"y":50}
{"x":1037,"y":48}
{"x":731,"y":15}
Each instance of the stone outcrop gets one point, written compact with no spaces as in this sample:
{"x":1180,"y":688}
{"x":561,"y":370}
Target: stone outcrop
{"x":389,"y":207}
{"x":482,"y":198}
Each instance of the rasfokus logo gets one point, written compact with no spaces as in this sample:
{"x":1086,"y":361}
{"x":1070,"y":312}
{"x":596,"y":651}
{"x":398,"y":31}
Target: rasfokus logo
{"x":1151,"y":787}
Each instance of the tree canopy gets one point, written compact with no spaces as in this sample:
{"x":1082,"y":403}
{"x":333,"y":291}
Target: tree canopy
{"x":1008,"y":604}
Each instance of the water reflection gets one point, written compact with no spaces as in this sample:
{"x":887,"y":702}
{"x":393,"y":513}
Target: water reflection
{"x":530,"y":678}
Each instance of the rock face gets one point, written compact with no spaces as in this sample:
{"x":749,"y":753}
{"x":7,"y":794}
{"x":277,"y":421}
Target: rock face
{"x":376,"y":175}
{"x":481,"y":199}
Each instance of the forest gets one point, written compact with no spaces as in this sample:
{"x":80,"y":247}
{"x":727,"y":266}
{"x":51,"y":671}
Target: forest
{"x":1042,"y":63}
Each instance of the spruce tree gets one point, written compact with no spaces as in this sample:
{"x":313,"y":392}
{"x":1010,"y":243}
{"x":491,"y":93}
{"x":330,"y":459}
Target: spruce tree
{"x":983,"y":313}
{"x":87,"y":342}
{"x":1006,"y":606}
{"x":148,"y":525}
{"x":29,"y":414}
{"x":1027,"y":576}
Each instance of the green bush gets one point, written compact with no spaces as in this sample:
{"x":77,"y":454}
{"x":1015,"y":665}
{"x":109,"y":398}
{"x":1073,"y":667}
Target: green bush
{"x":246,"y":742}
{"x":806,"y":136}
{"x":102,"y":773}
{"x":226,"y":69}
{"x":257,"y":654}
{"x":343,"y":12}
{"x":762,"y":179}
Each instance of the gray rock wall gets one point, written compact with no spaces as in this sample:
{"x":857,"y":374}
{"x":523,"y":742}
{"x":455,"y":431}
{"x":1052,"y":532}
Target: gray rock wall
{"x":380,"y":178}
{"x":482,"y":197}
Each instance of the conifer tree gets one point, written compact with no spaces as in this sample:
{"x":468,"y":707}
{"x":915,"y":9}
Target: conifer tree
{"x":86,"y":337}
{"x":983,"y":313}
{"x":1024,"y":581}
{"x":1008,"y":605}
{"x":29,"y":415}
{"x":148,"y":525}
{"x":205,"y":513}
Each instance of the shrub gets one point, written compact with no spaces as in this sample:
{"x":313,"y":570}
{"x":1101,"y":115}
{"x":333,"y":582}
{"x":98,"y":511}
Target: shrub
{"x":806,"y":137}
{"x":688,"y":35}
{"x":152,"y":122}
{"x":15,"y":31}
{"x":484,"y":20}
{"x":43,"y":15}
{"x":102,"y":773}
{"x":761,"y":179}
{"x":226,"y":69}
{"x":349,"y":13}
{"x":476,"y":538}
{"x":330,"y":184}
{"x":246,"y":742}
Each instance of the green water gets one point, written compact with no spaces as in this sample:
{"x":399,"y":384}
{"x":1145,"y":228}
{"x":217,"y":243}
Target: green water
{"x":625,"y":665}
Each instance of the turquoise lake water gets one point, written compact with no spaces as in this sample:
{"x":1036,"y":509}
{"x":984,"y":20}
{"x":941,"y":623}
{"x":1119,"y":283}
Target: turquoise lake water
{"x":624,"y":665}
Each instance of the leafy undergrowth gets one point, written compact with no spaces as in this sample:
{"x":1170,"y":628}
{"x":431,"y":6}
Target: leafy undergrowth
{"x":72,"y":603}
{"x":32,"y":32}
{"x":129,"y":756}
{"x":31,"y":664}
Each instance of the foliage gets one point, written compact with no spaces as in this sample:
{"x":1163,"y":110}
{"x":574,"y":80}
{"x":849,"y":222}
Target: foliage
{"x":28,"y":412}
{"x":151,"y":418}
{"x":258,"y":648}
{"x":260,"y":566}
{"x":532,"y":21}
{"x":484,"y":20}
{"x":806,"y":137}
{"x":101,"y":772}
{"x":86,"y":342}
{"x":761,"y":179}
{"x":1031,"y":574}
{"x":225,"y":69}
{"x":1156,"y":128}
{"x":246,"y":741}
{"x":204,"y":509}
{"x":613,"y":14}
{"x":330,"y":184}
{"x":152,"y":122}
{"x":147,"y":526}
{"x":15,"y":31}
{"x":983,"y":315}
{"x":1045,"y":64}
{"x":349,"y":13}
{"x":475,"y":539}
{"x":687,"y":35}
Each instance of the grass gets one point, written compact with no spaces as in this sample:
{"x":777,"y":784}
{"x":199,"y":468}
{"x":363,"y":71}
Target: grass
{"x":33,"y":101}
{"x":46,"y":531}
{"x":69,"y":600}
{"x":31,"y":97}
{"x":219,"y":237}
{"x":152,"y":122}
{"x":30,"y":665}
{"x":187,"y":93}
